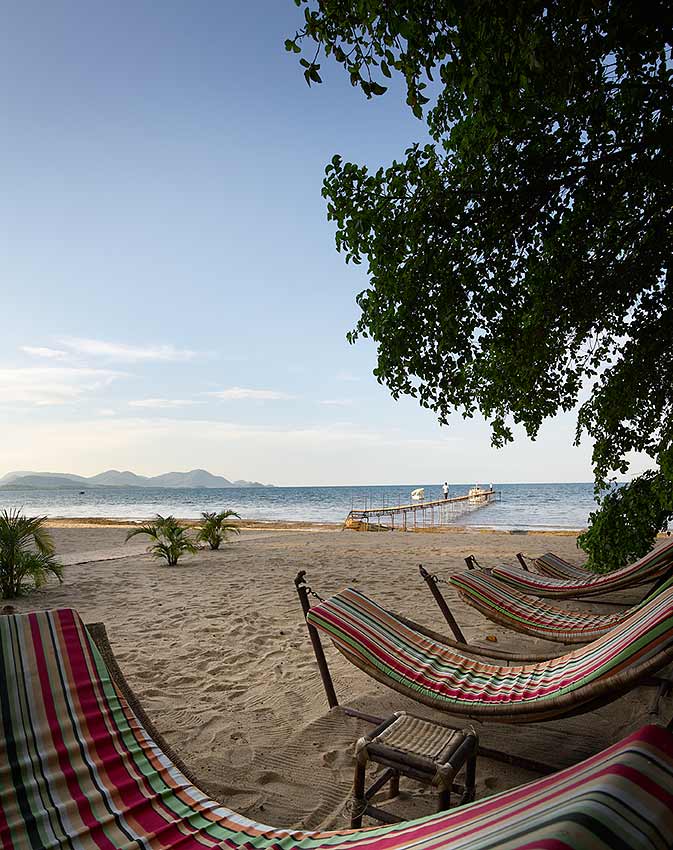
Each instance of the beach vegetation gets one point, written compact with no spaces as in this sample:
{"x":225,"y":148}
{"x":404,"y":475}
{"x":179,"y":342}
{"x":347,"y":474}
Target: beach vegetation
{"x":26,"y":554}
{"x":169,"y":539}
{"x":215,"y":527}
{"x":519,"y":255}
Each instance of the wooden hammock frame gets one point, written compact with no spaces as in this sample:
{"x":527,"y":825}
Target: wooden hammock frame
{"x":569,"y":704}
{"x":473,"y":564}
{"x":98,"y":633}
{"x":432,"y":582}
{"x":303,"y":591}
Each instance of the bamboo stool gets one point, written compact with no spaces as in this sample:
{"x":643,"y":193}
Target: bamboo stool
{"x":410,"y":746}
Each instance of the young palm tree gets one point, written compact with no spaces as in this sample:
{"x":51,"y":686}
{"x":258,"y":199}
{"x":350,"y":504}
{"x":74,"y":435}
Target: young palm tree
{"x":215,"y":529}
{"x":26,"y":554}
{"x":171,"y":539}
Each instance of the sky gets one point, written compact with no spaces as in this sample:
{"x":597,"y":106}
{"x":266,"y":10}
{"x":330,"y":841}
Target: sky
{"x":171,"y":295}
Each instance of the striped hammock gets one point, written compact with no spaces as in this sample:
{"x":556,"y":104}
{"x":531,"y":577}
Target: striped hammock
{"x":531,"y":616}
{"x":78,"y":771}
{"x":555,"y":566}
{"x":648,"y":568}
{"x":396,"y":654}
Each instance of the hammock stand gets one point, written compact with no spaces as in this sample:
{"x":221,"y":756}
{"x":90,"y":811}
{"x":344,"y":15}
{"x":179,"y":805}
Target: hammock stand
{"x":663,"y":684}
{"x":137,"y":793}
{"x":601,"y":692}
{"x":433,"y":581}
{"x":304,"y":590}
{"x":473,"y":564}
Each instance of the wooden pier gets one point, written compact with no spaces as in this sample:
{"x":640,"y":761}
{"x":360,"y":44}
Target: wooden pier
{"x":418,"y":516}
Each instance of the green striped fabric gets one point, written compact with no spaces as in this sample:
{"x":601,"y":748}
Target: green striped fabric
{"x":554,"y":566}
{"x":79,"y":772}
{"x":531,"y":616}
{"x":385,"y":647}
{"x":650,"y":567}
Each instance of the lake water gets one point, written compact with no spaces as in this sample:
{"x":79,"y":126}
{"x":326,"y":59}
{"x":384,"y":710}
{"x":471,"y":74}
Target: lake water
{"x":524,"y":506}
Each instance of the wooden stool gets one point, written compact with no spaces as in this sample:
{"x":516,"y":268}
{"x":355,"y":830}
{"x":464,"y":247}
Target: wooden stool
{"x":407,"y":745}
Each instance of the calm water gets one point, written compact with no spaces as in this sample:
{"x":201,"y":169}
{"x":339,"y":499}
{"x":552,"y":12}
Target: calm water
{"x":525,"y":506}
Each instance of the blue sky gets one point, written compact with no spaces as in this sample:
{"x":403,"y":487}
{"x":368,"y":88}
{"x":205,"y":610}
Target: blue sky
{"x":171,"y":294}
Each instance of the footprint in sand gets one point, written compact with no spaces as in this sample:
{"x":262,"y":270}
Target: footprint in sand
{"x":269,"y":776}
{"x":336,"y":758}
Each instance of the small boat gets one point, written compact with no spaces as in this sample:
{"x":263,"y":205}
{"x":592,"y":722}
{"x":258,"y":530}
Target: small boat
{"x":476,"y":495}
{"x":418,"y":494}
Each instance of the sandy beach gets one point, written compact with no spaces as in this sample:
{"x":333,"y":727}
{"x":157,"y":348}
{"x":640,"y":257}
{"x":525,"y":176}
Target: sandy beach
{"x":217,"y":651}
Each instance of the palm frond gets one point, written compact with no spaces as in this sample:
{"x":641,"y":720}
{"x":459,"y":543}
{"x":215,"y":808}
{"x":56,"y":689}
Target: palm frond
{"x":26,"y":553}
{"x":149,"y":528}
{"x":214,"y":527}
{"x":171,"y":540}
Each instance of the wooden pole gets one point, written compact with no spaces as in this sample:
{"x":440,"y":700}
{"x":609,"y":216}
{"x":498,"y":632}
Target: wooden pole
{"x":300,"y":584}
{"x":443,"y":607}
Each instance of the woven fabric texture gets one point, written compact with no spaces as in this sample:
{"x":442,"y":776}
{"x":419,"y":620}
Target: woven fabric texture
{"x":532,"y":616}
{"x":648,"y":568}
{"x":393,"y":652}
{"x":78,"y":771}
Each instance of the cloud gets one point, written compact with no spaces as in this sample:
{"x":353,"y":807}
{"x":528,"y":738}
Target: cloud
{"x":241,"y":393}
{"x":128,"y":353}
{"x":49,"y":353}
{"x":43,"y":385}
{"x":346,"y":376}
{"x":337,"y":402}
{"x":106,"y":411}
{"x":318,"y":455}
{"x":162,"y":403}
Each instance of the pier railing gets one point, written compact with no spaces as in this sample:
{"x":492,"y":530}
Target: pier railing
{"x":418,"y":516}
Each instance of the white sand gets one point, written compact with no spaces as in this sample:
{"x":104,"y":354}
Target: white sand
{"x":217,"y":651}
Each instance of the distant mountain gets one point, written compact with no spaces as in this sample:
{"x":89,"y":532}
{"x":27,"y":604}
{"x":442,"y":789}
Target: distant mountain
{"x":115,"y":478}
{"x":12,"y":476}
{"x":196,"y":478}
{"x":44,"y":481}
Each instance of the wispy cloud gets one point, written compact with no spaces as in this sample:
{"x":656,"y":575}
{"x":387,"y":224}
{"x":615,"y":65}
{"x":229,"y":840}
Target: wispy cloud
{"x":337,"y":402}
{"x":162,"y":403}
{"x":330,"y":454}
{"x":44,"y":385}
{"x":128,"y":353}
{"x":346,"y":376}
{"x":242,"y":393}
{"x":41,"y":351}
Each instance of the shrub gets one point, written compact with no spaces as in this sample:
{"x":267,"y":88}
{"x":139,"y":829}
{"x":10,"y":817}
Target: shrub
{"x":26,"y":554}
{"x":171,"y":540}
{"x":215,"y":529}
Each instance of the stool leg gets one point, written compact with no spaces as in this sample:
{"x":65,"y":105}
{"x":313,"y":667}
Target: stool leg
{"x":444,"y":802}
{"x":359,"y":803}
{"x":470,"y":779}
{"x":395,"y":785}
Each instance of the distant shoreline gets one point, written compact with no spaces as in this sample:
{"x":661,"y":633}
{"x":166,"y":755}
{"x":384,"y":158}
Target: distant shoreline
{"x":306,"y":525}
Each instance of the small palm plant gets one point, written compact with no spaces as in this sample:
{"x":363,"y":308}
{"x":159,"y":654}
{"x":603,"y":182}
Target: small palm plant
{"x":171,"y":539}
{"x":215,"y":529}
{"x":26,"y":554}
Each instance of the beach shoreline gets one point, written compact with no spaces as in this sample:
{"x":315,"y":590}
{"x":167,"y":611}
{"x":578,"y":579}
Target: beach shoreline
{"x":300,"y":525}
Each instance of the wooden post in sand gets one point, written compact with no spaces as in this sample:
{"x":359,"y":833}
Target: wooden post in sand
{"x":300,"y":584}
{"x":443,"y":607}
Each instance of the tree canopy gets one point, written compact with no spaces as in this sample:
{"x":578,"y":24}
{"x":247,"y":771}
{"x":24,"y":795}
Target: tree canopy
{"x":520,"y":262}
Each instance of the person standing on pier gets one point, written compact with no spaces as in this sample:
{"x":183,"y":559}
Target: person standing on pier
{"x":445,"y":490}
